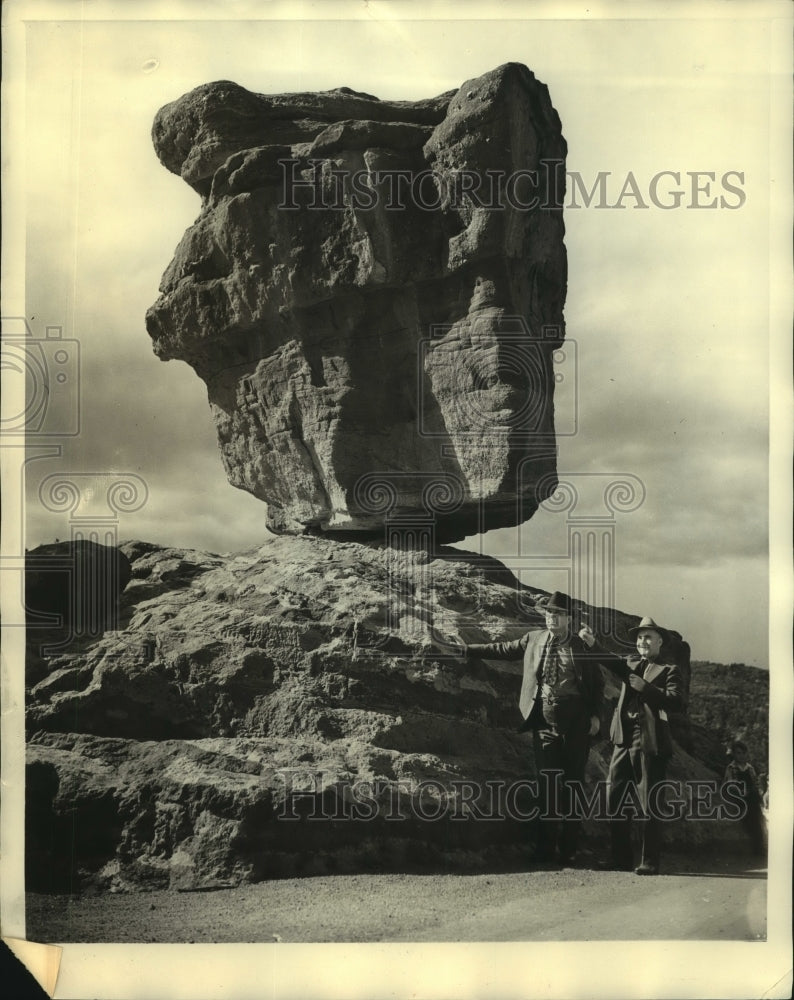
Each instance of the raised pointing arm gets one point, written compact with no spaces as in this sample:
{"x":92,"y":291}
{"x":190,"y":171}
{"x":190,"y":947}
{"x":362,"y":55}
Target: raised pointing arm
{"x":510,"y":650}
{"x":608,"y":660}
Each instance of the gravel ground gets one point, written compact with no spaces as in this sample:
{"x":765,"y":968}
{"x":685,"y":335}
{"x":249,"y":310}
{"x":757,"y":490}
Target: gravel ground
{"x":694,"y":899}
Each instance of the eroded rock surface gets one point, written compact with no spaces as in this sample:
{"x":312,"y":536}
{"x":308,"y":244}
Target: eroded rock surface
{"x":373,"y":293}
{"x":167,"y":752}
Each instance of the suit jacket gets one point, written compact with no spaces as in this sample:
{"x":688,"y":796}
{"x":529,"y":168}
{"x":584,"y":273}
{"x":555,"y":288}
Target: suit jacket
{"x":531,"y":648}
{"x":664,"y":693}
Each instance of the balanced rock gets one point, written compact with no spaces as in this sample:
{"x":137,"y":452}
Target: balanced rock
{"x":373,"y":294}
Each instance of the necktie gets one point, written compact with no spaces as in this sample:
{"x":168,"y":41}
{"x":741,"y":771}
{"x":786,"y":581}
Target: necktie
{"x":551,"y":667}
{"x":640,"y":673}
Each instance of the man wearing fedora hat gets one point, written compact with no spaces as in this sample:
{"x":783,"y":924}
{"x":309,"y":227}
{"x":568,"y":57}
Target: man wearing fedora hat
{"x":652,"y":687}
{"x":561,"y":699}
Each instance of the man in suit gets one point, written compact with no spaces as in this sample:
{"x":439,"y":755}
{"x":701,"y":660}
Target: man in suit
{"x":652,"y":687}
{"x":560,"y":700}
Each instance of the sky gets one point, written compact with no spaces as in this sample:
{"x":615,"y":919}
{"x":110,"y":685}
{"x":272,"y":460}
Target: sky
{"x":668,"y":309}
{"x":668,"y":314}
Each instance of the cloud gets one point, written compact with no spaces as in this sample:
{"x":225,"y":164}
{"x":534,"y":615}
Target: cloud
{"x":668,"y":308}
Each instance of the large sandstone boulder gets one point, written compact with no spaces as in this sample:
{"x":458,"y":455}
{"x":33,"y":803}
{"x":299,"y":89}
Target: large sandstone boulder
{"x":289,"y":709}
{"x":373,"y":293}
{"x":72,"y":594}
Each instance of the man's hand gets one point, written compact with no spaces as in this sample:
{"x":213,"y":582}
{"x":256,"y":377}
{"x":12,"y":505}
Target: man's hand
{"x":637,"y":683}
{"x":595,"y":725}
{"x":587,"y":636}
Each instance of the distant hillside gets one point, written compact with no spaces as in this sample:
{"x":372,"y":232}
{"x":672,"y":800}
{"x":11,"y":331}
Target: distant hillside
{"x":728,"y":702}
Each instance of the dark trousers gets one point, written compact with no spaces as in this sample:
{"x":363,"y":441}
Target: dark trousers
{"x":567,"y":752}
{"x":630,"y":765}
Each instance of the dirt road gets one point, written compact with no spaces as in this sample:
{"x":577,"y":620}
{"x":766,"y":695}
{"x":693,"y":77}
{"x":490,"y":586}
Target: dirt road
{"x":695,"y":899}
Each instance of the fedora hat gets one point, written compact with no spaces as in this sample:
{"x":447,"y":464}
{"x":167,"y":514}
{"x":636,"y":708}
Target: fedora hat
{"x":554,"y":602}
{"x":650,"y":624}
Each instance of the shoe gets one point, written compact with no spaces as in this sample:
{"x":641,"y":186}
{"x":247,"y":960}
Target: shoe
{"x":646,"y":868}
{"x":608,"y":865}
